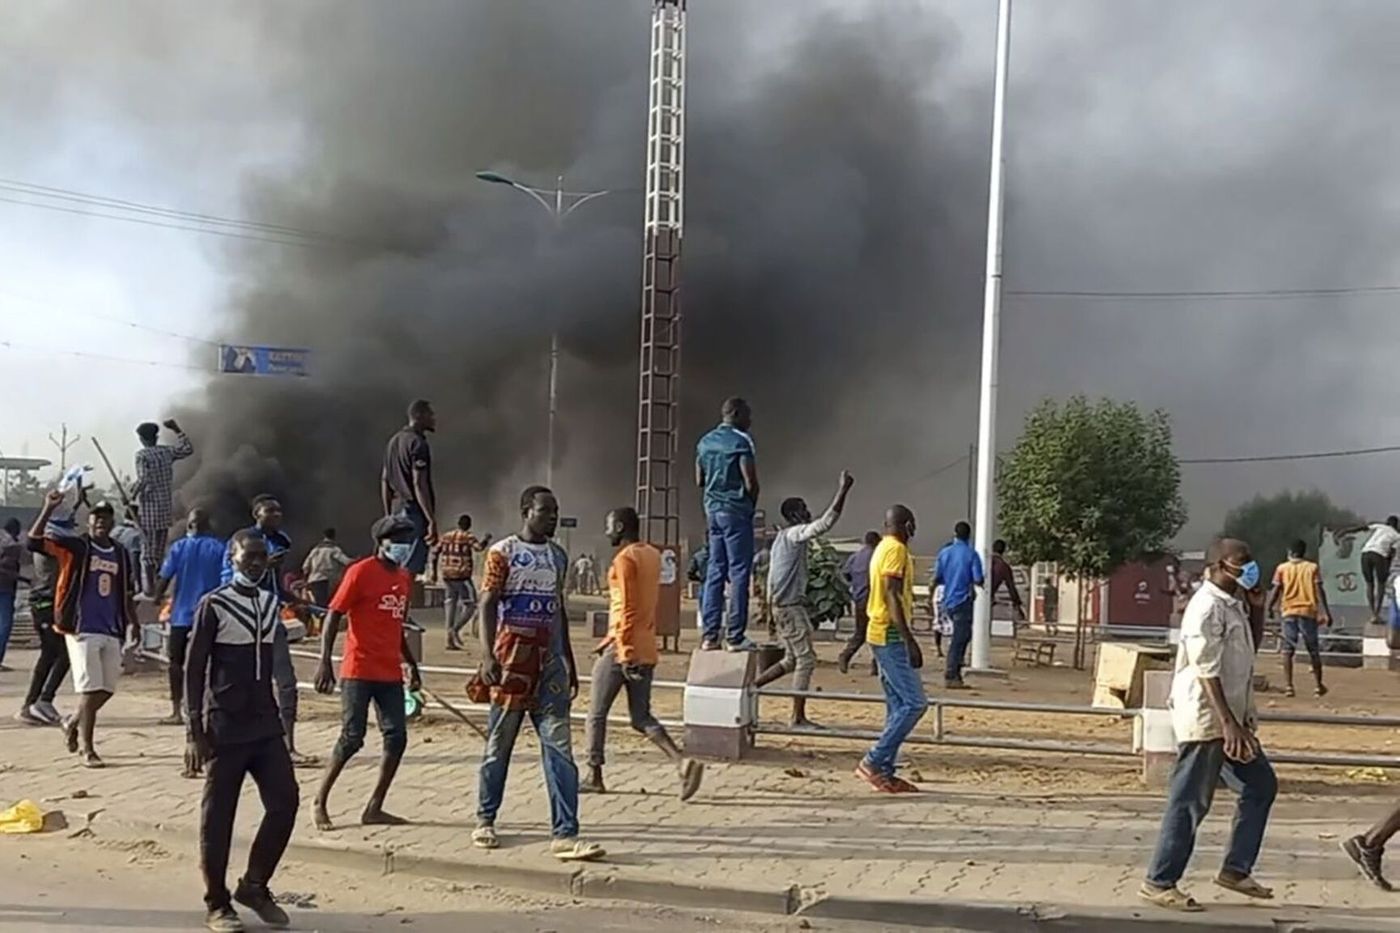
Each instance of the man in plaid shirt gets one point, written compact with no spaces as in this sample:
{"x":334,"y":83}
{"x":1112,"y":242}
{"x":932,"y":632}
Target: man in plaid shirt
{"x":155,"y":493}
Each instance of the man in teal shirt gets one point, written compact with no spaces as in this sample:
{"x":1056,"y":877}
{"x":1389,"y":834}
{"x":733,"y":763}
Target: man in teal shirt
{"x":726,"y":469}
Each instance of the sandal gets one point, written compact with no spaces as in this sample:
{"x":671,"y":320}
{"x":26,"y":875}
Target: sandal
{"x":1172,"y":898}
{"x":573,"y":850}
{"x":1289,"y":691}
{"x":484,"y":837}
{"x":1246,"y":886}
{"x":1320,"y":692}
{"x":90,"y":760}
{"x":692,"y":773}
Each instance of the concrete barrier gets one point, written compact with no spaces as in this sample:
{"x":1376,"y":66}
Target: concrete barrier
{"x":1153,"y":734}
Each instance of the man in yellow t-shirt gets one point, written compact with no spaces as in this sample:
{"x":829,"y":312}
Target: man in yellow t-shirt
{"x":1298,"y":590}
{"x":890,"y":608}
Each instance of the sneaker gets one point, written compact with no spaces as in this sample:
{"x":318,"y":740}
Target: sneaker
{"x":28,"y":716}
{"x":743,"y":645}
{"x":224,"y":920}
{"x":709,"y":644}
{"x":258,"y":899}
{"x":843,"y":664}
{"x":875,"y":779}
{"x":46,"y":711}
{"x":1368,"y":860}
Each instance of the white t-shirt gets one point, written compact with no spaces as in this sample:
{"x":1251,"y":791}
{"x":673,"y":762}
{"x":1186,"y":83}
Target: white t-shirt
{"x":1382,"y":541}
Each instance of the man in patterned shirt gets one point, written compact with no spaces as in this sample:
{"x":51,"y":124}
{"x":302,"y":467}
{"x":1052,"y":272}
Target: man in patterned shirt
{"x":529,"y":669}
{"x":155,"y":493}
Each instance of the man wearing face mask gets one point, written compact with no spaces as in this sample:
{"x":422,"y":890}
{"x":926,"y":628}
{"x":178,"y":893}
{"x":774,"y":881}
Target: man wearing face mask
{"x":267,"y":518}
{"x":238,"y":734}
{"x":194,"y":564}
{"x":1214,"y":718}
{"x":373,"y":596}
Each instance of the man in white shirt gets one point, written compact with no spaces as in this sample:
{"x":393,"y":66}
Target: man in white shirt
{"x":1214,"y":717}
{"x":1381,"y":541}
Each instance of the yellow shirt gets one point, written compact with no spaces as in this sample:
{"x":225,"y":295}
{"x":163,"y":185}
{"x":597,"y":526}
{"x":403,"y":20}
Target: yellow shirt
{"x":891,"y":559}
{"x":1298,"y":578}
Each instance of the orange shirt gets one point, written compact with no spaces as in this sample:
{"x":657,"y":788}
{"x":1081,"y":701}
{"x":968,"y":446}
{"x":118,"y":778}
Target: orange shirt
{"x":455,"y":554}
{"x":1298,"y":579}
{"x":634,"y":590}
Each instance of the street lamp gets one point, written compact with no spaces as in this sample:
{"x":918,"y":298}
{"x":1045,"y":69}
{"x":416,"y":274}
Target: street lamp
{"x":560,"y":204}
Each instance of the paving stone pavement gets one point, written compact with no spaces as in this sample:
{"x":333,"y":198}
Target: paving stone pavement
{"x":768,"y":826}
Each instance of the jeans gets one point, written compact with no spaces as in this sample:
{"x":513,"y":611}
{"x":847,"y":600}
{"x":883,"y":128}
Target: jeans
{"x":418,"y":557}
{"x":608,"y":682}
{"x":731,"y":558}
{"x":270,"y":766}
{"x":52,"y":666}
{"x":961,"y":617}
{"x":905,"y":704}
{"x":551,"y":723}
{"x":1200,"y":767}
{"x":459,"y":602}
{"x":389,"y":710}
{"x":7,"y":620}
{"x":1301,"y":629}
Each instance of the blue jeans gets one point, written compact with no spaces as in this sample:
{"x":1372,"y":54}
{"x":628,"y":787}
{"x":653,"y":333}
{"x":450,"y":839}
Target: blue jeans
{"x":551,"y":722}
{"x":7,"y":620}
{"x":1200,"y":767}
{"x":961,"y":617}
{"x":905,"y":704}
{"x":731,"y":557}
{"x":418,"y":558}
{"x":355,"y":698}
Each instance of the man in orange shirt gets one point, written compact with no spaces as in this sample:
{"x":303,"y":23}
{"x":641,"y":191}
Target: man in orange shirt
{"x":455,"y":552}
{"x":1298,"y":587}
{"x":627,"y":657}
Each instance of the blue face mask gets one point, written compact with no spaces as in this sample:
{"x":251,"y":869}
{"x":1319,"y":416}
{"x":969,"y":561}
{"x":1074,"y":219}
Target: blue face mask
{"x":242,"y":579}
{"x":399,"y":553}
{"x":1249,"y":575}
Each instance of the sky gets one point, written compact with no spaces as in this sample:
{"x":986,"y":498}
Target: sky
{"x":1188,"y":147}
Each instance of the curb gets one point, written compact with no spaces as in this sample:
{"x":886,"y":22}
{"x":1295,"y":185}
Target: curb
{"x":608,"y":882}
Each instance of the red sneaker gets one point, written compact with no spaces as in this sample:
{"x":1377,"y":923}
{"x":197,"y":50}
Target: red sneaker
{"x":876,"y":780}
{"x":902,"y":786}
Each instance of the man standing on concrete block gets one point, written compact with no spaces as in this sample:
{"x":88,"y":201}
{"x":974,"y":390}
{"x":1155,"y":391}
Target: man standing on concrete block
{"x":787,"y":593}
{"x":1214,"y":718}
{"x":406,"y":482}
{"x":154,"y":493}
{"x":1376,"y":554}
{"x":891,"y":608}
{"x":958,"y":571}
{"x":1298,"y":587}
{"x":726,"y":468}
{"x":529,"y":669}
{"x":627,"y":658}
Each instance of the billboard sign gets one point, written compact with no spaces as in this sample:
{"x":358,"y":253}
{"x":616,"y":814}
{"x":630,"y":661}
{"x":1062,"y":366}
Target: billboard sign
{"x":244,"y":360}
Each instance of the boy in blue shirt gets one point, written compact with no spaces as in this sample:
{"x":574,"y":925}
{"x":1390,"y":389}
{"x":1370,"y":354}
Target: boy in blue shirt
{"x":194,"y":564}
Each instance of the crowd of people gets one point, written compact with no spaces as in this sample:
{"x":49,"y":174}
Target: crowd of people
{"x":232,"y":682}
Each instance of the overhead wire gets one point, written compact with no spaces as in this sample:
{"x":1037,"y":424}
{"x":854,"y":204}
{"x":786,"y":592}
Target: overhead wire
{"x":112,"y":319}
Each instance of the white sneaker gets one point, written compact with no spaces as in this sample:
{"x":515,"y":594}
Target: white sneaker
{"x":745,"y":645}
{"x":27,"y":716}
{"x":47,"y":712}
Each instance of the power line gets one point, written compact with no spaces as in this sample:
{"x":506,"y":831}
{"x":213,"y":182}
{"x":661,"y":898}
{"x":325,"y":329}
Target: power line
{"x":112,"y":319}
{"x":943,"y":469}
{"x":80,"y":354}
{"x":1219,"y":295}
{"x":1316,"y":455}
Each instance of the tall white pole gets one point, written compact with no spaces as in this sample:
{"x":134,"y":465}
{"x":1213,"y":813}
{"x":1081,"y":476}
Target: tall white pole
{"x":991,"y":314}
{"x":553,"y":405}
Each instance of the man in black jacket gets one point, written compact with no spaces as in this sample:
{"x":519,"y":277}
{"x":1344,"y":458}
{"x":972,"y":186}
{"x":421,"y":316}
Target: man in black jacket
{"x":238,"y":734}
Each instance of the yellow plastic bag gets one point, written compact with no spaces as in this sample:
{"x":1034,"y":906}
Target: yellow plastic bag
{"x":23,"y":817}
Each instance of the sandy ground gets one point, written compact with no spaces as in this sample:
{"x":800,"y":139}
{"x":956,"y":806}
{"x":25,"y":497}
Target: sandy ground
{"x":55,"y":884}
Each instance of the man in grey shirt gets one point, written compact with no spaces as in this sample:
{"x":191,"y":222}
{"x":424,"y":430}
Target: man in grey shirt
{"x":787,"y":593}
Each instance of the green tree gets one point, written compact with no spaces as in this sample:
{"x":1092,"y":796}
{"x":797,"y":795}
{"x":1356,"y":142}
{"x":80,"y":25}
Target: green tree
{"x":1090,"y":486}
{"x":1271,"y":523}
{"x":828,"y":594}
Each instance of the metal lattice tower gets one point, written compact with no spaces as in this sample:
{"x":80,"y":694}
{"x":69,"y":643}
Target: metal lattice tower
{"x":658,"y":394}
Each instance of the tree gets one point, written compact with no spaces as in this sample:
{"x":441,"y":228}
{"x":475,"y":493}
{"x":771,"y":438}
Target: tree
{"x":828,"y":594}
{"x":1090,"y":486}
{"x":1271,"y":523}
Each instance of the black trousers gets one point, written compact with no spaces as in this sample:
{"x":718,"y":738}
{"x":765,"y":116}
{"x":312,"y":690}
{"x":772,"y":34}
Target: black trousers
{"x":858,"y":636}
{"x":320,"y":592}
{"x":177,"y":647}
{"x":270,"y":766}
{"x":52,"y":665}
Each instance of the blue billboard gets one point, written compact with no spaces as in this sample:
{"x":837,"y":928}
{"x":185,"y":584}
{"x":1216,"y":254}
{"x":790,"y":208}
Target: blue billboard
{"x":244,"y":360}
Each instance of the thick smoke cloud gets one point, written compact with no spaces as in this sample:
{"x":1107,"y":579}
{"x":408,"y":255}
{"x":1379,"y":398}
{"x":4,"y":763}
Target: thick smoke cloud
{"x":836,"y":208}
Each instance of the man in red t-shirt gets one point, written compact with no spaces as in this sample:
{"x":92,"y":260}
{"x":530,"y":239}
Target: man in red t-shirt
{"x":374,"y":596}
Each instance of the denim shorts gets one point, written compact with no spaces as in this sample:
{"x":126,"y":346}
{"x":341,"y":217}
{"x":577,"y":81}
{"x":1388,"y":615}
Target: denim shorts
{"x":1295,"y":627}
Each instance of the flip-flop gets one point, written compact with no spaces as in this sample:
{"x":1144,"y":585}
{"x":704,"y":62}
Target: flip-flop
{"x":1289,"y":692}
{"x":692,"y":773}
{"x":1172,"y":898}
{"x":484,"y":837}
{"x":1246,"y":886}
{"x":70,"y":734}
{"x":574,"y":850}
{"x":90,"y":760}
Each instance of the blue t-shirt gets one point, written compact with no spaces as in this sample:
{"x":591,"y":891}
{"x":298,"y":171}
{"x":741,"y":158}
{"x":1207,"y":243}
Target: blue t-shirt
{"x":959,"y":568}
{"x":719,"y":454}
{"x":100,"y":609}
{"x":196,"y":564}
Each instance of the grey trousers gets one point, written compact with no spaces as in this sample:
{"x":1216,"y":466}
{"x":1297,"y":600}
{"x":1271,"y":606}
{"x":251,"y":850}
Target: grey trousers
{"x":608,"y":682}
{"x":284,"y":679}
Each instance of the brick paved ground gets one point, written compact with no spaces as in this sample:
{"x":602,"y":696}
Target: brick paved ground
{"x":780,"y":821}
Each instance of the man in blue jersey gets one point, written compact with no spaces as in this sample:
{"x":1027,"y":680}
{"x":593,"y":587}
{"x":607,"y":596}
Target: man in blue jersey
{"x":959,"y":572}
{"x":194,"y":565}
{"x":726,"y":469}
